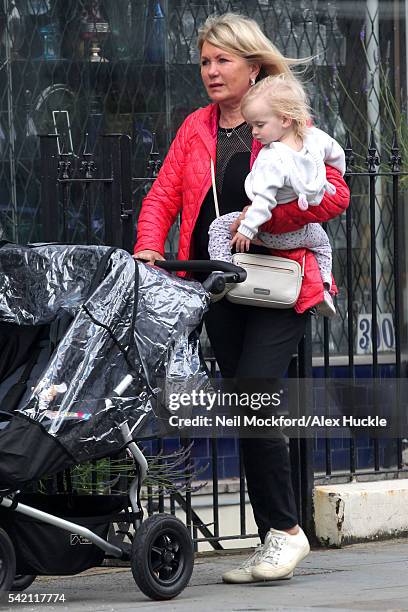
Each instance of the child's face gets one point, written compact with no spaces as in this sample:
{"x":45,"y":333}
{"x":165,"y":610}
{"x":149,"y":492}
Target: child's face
{"x":266,"y":126}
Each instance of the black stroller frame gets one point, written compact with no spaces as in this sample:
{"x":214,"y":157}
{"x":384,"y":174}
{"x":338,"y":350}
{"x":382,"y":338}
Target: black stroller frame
{"x":161,"y":554}
{"x":134,"y":498}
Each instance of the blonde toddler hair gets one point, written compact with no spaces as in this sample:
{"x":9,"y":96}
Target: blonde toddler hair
{"x":284,"y":95}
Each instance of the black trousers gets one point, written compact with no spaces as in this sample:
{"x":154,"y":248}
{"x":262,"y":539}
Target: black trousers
{"x":258,"y":343}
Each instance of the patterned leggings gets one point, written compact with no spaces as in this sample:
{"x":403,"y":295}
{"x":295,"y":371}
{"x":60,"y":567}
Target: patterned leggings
{"x":312,"y":236}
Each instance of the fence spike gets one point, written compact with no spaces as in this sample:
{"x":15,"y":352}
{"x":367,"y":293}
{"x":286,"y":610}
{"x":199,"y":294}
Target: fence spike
{"x":87,"y":164}
{"x":64,"y":164}
{"x":64,"y":167}
{"x":372,"y":158}
{"x":395,"y":157}
{"x":348,"y":153}
{"x":154,"y":158}
{"x":84,"y":151}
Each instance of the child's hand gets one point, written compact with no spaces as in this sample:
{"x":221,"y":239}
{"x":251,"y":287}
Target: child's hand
{"x":234,"y":226}
{"x":241,"y":243}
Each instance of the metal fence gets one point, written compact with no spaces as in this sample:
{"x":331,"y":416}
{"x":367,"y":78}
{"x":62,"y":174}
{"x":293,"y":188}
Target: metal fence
{"x":381,"y":329}
{"x":131,"y":66}
{"x":89,"y":199}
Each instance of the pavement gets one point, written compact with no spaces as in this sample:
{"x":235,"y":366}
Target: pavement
{"x":372,"y":576}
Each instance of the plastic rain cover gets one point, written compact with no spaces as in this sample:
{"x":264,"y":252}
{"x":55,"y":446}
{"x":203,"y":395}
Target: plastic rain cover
{"x":139,"y":323}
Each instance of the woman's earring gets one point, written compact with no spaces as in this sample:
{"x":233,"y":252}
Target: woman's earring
{"x":252,"y":82}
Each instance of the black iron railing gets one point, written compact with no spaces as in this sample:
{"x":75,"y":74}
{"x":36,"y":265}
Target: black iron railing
{"x":75,"y":183}
{"x":390,"y":173}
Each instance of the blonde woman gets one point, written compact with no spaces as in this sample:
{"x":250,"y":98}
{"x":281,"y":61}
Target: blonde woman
{"x":234,"y":54}
{"x":290,"y":165}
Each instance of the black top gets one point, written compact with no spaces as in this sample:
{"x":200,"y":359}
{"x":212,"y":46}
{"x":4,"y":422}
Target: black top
{"x":232,"y":166}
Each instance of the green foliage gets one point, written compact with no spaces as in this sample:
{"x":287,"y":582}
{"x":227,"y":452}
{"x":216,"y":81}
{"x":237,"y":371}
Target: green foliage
{"x":393,"y":122}
{"x":167,"y":473}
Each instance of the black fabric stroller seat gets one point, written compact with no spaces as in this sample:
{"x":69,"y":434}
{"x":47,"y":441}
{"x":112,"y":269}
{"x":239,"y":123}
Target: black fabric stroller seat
{"x":137,"y":321}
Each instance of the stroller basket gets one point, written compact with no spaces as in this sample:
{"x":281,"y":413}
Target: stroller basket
{"x":49,"y":550}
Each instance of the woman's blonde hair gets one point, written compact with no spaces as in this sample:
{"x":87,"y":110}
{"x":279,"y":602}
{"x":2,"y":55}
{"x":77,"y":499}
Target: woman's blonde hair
{"x":284,"y":96}
{"x":242,"y":36}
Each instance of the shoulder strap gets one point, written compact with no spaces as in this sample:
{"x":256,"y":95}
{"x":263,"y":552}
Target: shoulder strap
{"x":214,"y":188}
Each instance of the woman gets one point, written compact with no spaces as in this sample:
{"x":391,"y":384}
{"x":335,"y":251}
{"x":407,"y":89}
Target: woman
{"x":249,"y":343}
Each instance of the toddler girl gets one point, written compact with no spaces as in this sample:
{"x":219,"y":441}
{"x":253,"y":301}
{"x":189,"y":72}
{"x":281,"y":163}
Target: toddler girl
{"x":291,"y":164}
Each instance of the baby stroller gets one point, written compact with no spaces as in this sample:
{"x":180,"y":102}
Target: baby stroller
{"x":90,"y":343}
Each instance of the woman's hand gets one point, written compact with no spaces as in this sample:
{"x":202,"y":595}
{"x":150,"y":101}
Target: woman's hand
{"x":241,"y":242}
{"x":149,"y":256}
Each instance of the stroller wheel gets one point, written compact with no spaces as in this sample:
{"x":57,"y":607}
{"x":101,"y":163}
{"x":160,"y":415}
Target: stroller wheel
{"x":162,"y":557}
{"x":7,"y":562}
{"x":22,"y":582}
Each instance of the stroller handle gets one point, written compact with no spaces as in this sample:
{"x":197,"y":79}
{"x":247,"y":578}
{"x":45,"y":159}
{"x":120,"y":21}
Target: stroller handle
{"x":232,"y":273}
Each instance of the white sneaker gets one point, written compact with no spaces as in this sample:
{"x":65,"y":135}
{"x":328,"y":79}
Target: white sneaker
{"x":280,"y":555}
{"x":326,"y":308}
{"x":243,"y":573}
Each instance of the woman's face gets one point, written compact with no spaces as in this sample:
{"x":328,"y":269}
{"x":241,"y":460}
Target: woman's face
{"x":226,"y":76}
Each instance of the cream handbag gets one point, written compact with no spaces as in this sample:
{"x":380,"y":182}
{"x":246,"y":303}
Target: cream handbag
{"x":271,"y":282}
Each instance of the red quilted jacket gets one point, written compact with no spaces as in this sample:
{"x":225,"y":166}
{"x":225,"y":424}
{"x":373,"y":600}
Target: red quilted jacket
{"x":185,"y":179}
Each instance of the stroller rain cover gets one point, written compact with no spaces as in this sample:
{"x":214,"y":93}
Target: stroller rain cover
{"x":139,"y":321}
